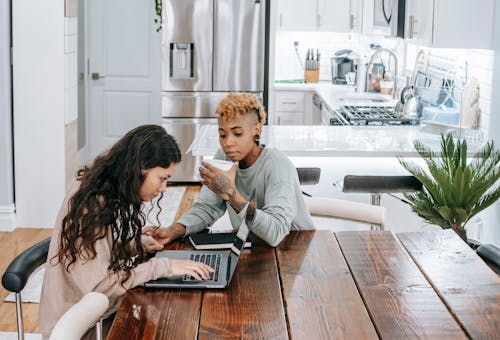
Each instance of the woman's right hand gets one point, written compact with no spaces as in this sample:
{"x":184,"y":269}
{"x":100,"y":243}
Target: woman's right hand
{"x":198,"y":270}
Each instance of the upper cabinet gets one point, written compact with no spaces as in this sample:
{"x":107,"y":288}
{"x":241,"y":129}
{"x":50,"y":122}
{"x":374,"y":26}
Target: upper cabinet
{"x":319,"y":15}
{"x":432,"y":23}
{"x":450,"y":23}
{"x":378,"y":16}
{"x":297,"y":15}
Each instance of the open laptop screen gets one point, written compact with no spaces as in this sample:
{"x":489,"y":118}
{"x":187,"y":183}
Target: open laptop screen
{"x":241,"y":237}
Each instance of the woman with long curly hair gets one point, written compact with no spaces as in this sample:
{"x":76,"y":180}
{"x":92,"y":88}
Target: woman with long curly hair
{"x":97,"y":243}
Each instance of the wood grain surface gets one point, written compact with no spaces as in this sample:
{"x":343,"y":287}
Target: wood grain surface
{"x":401,"y":302}
{"x":251,"y":308}
{"x":469,"y":287}
{"x":320,"y":295}
{"x":158,"y":313}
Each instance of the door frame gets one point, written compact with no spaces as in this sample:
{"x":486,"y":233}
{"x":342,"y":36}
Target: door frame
{"x":84,"y":151}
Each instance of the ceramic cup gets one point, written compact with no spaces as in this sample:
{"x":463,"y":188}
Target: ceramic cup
{"x":219,"y":163}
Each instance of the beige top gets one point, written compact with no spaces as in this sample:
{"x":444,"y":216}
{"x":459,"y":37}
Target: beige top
{"x":61,"y":289}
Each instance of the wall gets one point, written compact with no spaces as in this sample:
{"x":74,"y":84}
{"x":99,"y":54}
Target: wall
{"x":491,"y":216}
{"x":39,"y":117}
{"x":287,"y":65}
{"x":7,"y":208}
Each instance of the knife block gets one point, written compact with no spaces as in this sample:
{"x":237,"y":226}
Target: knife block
{"x":311,"y":76}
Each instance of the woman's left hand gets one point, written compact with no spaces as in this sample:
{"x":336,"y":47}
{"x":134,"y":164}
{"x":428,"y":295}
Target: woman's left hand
{"x":219,"y":181}
{"x":153,"y":244}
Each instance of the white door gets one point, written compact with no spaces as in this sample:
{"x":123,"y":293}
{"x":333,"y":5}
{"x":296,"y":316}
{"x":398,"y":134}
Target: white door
{"x":124,"y":74}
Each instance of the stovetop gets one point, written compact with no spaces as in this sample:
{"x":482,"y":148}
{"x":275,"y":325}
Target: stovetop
{"x":372,"y":115}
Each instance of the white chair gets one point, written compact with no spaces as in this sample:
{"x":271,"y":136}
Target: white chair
{"x":332,"y":207}
{"x":81,"y":317}
{"x":338,"y":208}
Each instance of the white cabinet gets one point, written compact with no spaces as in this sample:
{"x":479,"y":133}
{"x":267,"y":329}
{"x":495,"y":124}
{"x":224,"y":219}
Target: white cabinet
{"x":292,"y":107}
{"x":377,"y":16}
{"x":450,"y":23}
{"x":297,"y":15}
{"x":418,"y":21}
{"x":319,"y":15}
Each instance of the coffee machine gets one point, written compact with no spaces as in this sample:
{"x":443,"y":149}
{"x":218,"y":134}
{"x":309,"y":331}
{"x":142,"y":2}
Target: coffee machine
{"x":342,"y":63}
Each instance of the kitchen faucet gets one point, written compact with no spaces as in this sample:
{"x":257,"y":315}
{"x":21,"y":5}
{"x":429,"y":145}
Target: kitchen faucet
{"x":391,"y":53}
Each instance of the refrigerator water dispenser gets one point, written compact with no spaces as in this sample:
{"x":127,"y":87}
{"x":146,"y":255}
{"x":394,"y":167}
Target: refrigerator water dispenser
{"x":181,"y":60}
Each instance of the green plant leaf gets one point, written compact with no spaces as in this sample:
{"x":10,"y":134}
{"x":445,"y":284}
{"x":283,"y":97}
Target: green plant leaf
{"x":454,"y":188}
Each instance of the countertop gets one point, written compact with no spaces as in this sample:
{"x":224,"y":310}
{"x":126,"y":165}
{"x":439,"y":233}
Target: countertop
{"x":336,"y":95}
{"x":342,"y":141}
{"x":339,"y":141}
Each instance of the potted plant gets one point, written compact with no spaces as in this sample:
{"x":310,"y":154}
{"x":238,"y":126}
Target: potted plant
{"x":454,"y":189}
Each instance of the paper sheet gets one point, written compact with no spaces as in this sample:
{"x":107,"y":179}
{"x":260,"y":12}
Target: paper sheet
{"x":169,"y":205}
{"x":13,"y":336}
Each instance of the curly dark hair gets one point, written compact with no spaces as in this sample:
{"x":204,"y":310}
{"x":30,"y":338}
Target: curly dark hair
{"x":108,"y":202}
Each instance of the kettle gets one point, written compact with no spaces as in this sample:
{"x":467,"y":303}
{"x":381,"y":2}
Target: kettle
{"x":409,"y":105}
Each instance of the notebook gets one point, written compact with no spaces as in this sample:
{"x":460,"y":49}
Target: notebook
{"x":207,"y":240}
{"x":224,"y":262}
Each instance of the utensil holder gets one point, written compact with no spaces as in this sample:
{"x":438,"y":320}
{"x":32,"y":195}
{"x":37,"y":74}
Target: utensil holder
{"x":311,"y":76}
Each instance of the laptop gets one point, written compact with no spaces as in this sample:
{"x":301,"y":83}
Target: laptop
{"x":224,"y":262}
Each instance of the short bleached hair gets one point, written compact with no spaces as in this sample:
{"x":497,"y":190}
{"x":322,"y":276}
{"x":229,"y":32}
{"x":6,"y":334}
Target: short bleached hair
{"x":239,"y":104}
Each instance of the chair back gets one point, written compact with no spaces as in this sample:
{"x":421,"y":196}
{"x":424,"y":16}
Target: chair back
{"x":491,"y":255}
{"x":19,"y":270}
{"x":80,"y":317}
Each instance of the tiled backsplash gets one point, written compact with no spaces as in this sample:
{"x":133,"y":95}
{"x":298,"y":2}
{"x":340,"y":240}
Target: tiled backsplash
{"x":287,"y":65}
{"x":480,"y":62}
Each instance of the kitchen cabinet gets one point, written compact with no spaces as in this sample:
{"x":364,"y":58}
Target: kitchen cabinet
{"x":293,"y":107}
{"x":319,"y":15}
{"x":450,"y":23}
{"x":375,"y":21}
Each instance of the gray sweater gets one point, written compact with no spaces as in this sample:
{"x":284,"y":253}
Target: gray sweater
{"x":280,"y":205}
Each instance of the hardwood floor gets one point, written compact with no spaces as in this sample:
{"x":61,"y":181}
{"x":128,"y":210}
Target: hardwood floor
{"x":14,"y":242}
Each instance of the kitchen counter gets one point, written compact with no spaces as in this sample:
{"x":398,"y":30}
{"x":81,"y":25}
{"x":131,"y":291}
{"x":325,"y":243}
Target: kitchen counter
{"x":336,"y":95}
{"x":339,"y":141}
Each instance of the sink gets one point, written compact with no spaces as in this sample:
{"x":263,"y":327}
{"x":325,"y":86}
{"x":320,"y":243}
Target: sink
{"x":364,"y":98}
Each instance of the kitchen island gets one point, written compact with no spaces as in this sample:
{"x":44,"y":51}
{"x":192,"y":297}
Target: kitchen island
{"x":347,"y":150}
{"x":340,"y":141}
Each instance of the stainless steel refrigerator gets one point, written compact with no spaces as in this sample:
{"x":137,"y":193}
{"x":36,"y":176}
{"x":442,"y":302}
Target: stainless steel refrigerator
{"x":210,"y":48}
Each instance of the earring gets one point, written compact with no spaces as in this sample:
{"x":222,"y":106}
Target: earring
{"x":257,"y":138}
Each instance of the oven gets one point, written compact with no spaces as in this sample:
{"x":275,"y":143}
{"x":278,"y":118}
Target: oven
{"x":369,"y":115}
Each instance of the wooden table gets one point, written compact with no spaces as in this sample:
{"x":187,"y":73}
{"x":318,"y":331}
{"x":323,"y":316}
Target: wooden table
{"x":324,"y":285}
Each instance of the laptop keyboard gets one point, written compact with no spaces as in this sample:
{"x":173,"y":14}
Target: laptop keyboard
{"x":212,"y":260}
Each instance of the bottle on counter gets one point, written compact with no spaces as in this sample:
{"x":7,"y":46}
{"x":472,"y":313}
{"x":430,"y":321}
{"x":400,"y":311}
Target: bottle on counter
{"x":360,"y":63}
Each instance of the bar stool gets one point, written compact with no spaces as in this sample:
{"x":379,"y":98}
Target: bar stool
{"x":377,"y":185}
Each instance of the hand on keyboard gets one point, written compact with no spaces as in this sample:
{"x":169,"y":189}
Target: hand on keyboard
{"x":197,"y":270}
{"x":212,"y":260}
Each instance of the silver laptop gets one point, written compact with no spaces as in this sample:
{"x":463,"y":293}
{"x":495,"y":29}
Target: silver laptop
{"x":223,"y":262}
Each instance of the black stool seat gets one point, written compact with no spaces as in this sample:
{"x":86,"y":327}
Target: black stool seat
{"x":309,"y":176}
{"x":381,"y":184}
{"x":15,"y":277}
{"x":491,"y":255}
